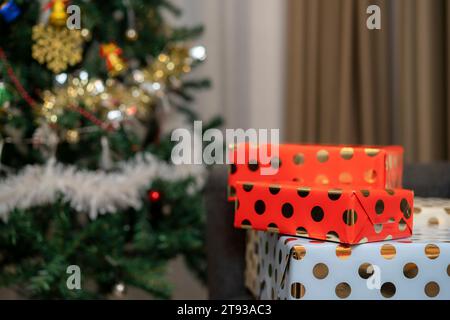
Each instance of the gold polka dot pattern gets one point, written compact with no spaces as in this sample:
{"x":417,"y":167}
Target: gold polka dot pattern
{"x":388,"y":289}
{"x":297,"y":290}
{"x":296,"y":268}
{"x":388,"y":251}
{"x":331,"y":165}
{"x":365,"y":270}
{"x":432,"y":212}
{"x":320,"y":271}
{"x":343,"y":252}
{"x":298,"y":252}
{"x":347,"y":153}
{"x":432,"y":251}
{"x":343,"y":290}
{"x":286,"y":207}
{"x":432,"y":289}
{"x":410,"y":270}
{"x":322,"y":155}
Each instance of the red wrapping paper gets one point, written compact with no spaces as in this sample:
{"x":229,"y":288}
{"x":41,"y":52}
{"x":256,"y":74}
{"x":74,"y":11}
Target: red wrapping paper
{"x":348,"y":215}
{"x":333,"y":166}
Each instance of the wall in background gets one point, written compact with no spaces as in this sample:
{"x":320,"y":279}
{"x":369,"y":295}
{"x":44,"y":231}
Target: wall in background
{"x":246,"y":50}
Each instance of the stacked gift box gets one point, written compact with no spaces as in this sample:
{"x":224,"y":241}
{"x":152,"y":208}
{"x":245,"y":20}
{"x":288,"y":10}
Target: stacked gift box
{"x":335,"y":223}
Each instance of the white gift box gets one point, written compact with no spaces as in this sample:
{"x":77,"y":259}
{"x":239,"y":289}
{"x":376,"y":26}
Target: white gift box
{"x":284,"y":267}
{"x":432,"y":212}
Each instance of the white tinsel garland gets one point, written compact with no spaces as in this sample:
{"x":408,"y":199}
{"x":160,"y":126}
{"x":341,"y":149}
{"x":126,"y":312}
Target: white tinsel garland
{"x":94,"y":192}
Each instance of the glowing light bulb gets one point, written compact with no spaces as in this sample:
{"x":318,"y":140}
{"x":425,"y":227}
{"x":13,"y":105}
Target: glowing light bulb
{"x":61,"y":78}
{"x":198,"y":53}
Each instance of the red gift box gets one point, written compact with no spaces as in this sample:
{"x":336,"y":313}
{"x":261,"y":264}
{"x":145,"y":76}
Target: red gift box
{"x":346,"y":215}
{"x":336,"y":166}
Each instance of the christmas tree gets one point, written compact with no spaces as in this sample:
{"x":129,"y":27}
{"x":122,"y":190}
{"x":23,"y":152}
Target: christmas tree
{"x":89,"y":92}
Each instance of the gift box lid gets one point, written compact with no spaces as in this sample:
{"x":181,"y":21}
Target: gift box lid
{"x":337,"y":165}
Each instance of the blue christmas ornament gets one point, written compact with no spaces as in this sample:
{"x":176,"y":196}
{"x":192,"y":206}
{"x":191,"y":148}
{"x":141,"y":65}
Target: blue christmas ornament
{"x":10,"y":11}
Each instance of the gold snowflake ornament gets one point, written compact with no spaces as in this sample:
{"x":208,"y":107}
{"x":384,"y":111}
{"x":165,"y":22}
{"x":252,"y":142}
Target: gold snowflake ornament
{"x":58,"y":47}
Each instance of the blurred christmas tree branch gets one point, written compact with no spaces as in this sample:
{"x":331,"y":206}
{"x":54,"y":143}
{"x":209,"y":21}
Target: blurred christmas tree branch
{"x":85,"y":163}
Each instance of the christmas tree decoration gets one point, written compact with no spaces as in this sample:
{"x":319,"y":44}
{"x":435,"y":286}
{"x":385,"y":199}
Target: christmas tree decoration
{"x":9,"y":11}
{"x":198,"y":53}
{"x":113,"y":57}
{"x":161,"y":74}
{"x":49,"y":110}
{"x":166,"y":210}
{"x":58,"y":16}
{"x":119,"y":290}
{"x":45,"y":140}
{"x":58,"y":48}
{"x":54,"y":44}
{"x":86,"y":34}
{"x":77,"y":166}
{"x":112,"y":101}
{"x":180,"y":60}
{"x":118,"y":15}
{"x":72,"y":136}
{"x":166,"y":70}
{"x":93,"y":192}
{"x":16,"y":82}
{"x":131,"y":34}
{"x":174,"y":63}
{"x":106,"y":162}
{"x":5,"y":96}
{"x":154,"y":195}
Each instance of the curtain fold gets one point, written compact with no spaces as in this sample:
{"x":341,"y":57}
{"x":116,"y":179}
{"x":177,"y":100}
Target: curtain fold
{"x":348,"y":84}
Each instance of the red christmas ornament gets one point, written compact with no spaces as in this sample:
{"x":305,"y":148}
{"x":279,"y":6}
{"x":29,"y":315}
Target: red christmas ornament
{"x":154,"y":196}
{"x":113,"y":56}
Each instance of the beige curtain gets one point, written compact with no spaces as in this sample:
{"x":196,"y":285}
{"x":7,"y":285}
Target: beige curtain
{"x":348,"y":84}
